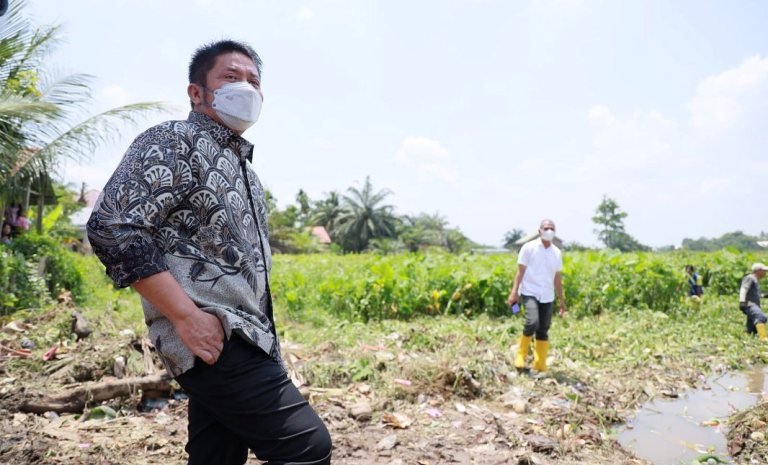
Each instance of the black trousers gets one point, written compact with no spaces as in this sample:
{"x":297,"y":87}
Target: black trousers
{"x":538,"y":318}
{"x":754,"y":315}
{"x":246,"y":401}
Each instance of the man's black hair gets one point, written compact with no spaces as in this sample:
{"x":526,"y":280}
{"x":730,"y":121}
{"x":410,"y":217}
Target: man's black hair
{"x":204,"y":58}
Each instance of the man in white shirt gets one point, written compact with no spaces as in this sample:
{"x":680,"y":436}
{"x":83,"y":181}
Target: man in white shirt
{"x":539,"y":265}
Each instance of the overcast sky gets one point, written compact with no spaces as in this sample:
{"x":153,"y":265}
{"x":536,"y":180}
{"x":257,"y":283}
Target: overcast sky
{"x":492,"y":113}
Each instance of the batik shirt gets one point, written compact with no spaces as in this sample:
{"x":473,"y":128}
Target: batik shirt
{"x":185,"y":199}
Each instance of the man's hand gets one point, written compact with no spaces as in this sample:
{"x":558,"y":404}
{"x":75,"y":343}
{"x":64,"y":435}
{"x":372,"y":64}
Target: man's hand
{"x":562,"y":309}
{"x":202,"y":333}
{"x":512,"y":299}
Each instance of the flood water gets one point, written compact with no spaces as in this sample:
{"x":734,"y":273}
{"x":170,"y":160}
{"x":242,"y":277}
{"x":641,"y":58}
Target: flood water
{"x":670,"y":431}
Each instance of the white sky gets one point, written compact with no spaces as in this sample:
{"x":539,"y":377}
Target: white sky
{"x":493,"y":113}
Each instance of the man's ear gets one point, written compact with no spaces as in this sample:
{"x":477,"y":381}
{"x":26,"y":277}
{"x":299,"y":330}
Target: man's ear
{"x":195,"y":93}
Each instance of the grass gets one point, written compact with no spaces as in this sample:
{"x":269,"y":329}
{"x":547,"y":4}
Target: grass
{"x":642,"y":350}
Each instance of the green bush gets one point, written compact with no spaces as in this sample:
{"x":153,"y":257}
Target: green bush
{"x":367,"y":286}
{"x":20,"y":286}
{"x":58,"y":263}
{"x":34,"y":270}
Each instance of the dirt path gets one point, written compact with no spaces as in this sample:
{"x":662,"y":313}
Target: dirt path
{"x":498,"y":418}
{"x":429,"y":431}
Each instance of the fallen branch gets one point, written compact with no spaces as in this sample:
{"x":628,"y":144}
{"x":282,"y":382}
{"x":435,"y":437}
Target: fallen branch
{"x":74,"y":400}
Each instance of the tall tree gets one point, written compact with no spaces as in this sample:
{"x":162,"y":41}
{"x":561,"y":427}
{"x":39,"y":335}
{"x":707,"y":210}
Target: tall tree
{"x":325,"y":212}
{"x":423,"y":230}
{"x":364,"y":217}
{"x":610,"y":219}
{"x":510,"y":237}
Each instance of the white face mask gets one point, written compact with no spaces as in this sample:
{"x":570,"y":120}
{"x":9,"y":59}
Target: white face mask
{"x":238,"y":105}
{"x":547,"y":235}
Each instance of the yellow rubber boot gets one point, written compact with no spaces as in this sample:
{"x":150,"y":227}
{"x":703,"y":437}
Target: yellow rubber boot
{"x":540,"y":356}
{"x":522,"y":351}
{"x":761,"y":331}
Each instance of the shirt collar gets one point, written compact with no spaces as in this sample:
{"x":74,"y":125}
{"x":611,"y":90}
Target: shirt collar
{"x":222,"y":135}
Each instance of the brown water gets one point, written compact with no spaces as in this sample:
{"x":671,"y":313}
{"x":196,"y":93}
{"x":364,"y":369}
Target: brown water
{"x":671,"y":432}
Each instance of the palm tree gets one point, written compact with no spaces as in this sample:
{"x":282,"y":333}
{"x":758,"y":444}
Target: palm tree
{"x":363,"y":218}
{"x":423,"y":230}
{"x":326,"y":211}
{"x":41,"y":118}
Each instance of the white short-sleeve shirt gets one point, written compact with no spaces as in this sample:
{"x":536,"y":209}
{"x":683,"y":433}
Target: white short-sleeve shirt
{"x":541,"y":265}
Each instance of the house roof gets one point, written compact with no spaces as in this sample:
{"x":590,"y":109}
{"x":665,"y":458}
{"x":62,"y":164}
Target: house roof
{"x":320,"y":233}
{"x":80,"y":217}
{"x":533,"y":236}
{"x":91,"y":197}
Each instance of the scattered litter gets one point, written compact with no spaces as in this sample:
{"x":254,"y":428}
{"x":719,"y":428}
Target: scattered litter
{"x":50,"y":354}
{"x":434,"y":412}
{"x":397,"y":420}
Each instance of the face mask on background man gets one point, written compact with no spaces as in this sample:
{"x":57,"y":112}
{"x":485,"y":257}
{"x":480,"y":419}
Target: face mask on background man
{"x":548,"y":235}
{"x":238,"y":105}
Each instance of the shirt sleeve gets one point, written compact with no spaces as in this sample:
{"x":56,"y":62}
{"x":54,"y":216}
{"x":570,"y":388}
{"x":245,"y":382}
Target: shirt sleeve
{"x":746,"y":283}
{"x":151,"y":179}
{"x":525,"y":255}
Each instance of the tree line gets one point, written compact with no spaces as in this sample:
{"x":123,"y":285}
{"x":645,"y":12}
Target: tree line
{"x":356,"y":221}
{"x":611,"y":232}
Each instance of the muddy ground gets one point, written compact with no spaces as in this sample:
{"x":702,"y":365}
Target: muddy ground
{"x":435,"y":431}
{"x":564,"y":418}
{"x":527,"y":421}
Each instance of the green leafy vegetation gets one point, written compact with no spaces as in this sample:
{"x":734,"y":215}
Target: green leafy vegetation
{"x":367,"y":286}
{"x":36,"y":270}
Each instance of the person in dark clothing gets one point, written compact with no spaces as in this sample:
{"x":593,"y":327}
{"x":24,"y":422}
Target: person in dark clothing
{"x":749,"y":301}
{"x":695,"y":287}
{"x":183,"y":221}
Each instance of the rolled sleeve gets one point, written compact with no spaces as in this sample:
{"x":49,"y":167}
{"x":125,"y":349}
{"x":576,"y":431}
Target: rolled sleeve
{"x":151,"y":179}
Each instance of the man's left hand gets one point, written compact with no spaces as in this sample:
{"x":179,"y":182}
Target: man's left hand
{"x":562,"y":309}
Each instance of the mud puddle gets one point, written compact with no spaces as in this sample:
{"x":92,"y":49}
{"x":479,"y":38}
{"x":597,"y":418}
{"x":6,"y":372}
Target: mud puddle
{"x":677,"y":431}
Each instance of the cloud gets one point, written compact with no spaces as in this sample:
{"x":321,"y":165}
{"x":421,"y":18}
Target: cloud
{"x":322,"y":143}
{"x":715,"y":185}
{"x":729,"y":98}
{"x":428,"y":156}
{"x":115,"y":95}
{"x":305,"y":13}
{"x":707,"y":160}
{"x":647,"y":144}
{"x":634,"y":144}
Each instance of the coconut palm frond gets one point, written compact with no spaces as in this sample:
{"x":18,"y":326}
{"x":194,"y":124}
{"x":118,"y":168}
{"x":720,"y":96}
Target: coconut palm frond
{"x":36,"y":47}
{"x":71,"y":90}
{"x":14,"y":23}
{"x":80,"y":141}
{"x":15,"y":113}
{"x":26,"y":108}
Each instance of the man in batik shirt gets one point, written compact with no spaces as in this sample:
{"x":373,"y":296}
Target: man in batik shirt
{"x":183,"y":221}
